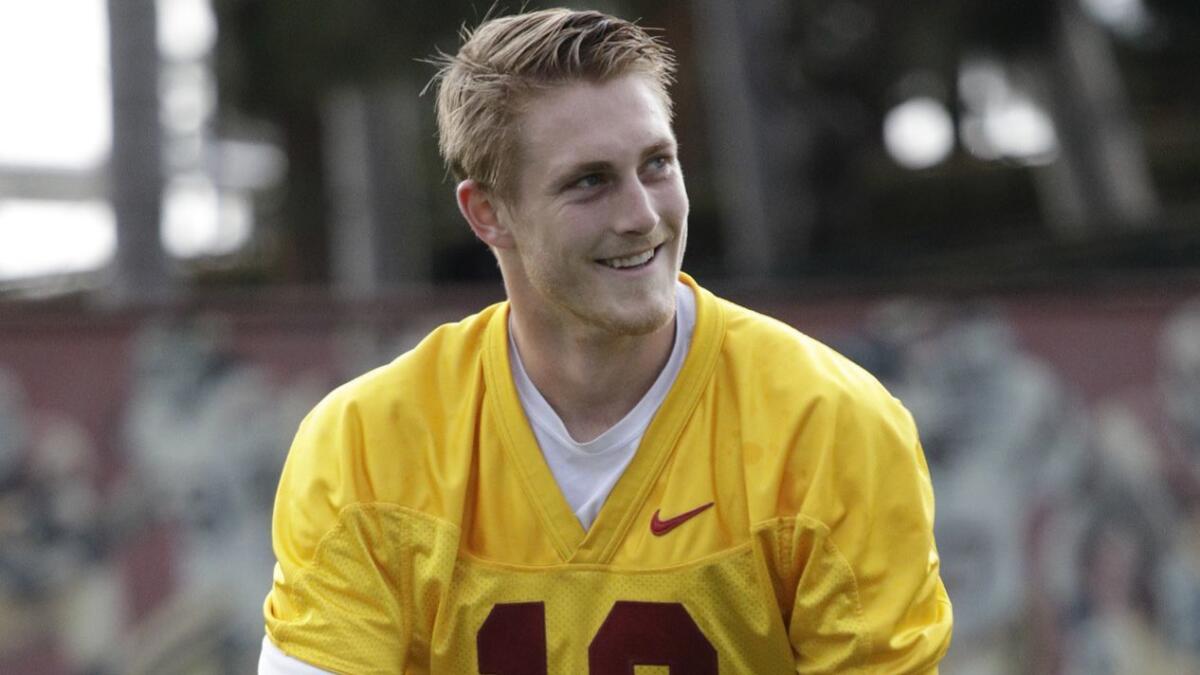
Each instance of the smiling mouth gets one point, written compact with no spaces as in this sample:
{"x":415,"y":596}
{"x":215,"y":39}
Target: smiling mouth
{"x":632,"y":262}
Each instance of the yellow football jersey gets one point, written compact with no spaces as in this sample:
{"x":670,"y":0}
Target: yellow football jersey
{"x":777,"y":518}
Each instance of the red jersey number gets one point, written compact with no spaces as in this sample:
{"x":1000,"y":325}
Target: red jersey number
{"x":512,"y":640}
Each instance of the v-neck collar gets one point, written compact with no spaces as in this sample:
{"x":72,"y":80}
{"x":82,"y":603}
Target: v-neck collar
{"x":568,"y":537}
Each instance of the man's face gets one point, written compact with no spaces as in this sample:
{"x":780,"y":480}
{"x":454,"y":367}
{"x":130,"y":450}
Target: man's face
{"x":599,"y":220}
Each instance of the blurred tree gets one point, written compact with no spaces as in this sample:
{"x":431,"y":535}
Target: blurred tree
{"x":802,"y":107}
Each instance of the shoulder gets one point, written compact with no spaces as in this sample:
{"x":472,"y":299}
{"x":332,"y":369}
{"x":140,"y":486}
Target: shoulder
{"x":371,"y":438}
{"x":818,"y":431}
{"x":444,"y":361}
{"x":795,"y":370}
{"x":418,"y":387}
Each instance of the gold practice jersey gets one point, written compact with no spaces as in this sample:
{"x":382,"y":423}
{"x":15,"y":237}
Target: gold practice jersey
{"x":777,"y":518}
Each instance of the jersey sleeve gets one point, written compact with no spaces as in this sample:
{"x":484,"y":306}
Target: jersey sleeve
{"x":869,"y":597}
{"x":335,"y":598}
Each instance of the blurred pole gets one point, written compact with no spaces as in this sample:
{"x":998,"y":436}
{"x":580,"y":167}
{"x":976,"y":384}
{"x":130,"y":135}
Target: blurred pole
{"x":732,"y":135}
{"x":352,"y":243}
{"x":381,"y":235}
{"x":1103,"y":178}
{"x":141,"y":273}
{"x":403,"y":218}
{"x":787,"y":112}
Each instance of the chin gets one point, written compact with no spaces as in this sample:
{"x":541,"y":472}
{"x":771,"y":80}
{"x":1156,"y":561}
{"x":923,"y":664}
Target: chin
{"x":640,"y":321}
{"x":644,"y":325}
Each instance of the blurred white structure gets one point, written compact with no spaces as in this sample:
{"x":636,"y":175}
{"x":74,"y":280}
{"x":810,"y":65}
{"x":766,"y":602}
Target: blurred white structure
{"x":109,"y":136}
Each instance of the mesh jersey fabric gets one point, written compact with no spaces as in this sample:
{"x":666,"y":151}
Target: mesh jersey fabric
{"x":418,"y":529}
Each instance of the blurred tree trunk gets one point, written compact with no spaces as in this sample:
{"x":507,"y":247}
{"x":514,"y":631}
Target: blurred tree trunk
{"x":733,"y":124}
{"x":305,"y":248}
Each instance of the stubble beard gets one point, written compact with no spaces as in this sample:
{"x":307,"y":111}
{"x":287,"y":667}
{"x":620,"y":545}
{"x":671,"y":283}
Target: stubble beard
{"x":638,"y":324}
{"x":609,"y":313}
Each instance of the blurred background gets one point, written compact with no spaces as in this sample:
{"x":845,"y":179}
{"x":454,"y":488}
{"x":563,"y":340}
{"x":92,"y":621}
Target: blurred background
{"x":213,"y":211}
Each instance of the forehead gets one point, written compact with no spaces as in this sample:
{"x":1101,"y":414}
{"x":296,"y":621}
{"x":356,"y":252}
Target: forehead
{"x":586,"y":122}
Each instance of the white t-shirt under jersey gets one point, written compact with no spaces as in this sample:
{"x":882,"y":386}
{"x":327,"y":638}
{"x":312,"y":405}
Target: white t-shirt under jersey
{"x":587,"y":472}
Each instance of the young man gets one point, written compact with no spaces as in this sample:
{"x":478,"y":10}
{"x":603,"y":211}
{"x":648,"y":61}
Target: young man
{"x":614,"y":468}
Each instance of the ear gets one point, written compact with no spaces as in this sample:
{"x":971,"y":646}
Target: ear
{"x":482,"y":212}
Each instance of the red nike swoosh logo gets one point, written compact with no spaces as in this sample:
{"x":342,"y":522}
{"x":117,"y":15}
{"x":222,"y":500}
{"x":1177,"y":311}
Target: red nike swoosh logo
{"x":661,"y":527}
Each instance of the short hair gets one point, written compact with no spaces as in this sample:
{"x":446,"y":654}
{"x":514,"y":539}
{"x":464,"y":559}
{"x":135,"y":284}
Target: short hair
{"x":506,"y":59}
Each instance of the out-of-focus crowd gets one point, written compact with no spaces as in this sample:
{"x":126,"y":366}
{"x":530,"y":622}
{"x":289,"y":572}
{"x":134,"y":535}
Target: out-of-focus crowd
{"x":1069,"y":532}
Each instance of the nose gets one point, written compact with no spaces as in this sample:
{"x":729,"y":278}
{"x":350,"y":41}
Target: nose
{"x":636,"y":211}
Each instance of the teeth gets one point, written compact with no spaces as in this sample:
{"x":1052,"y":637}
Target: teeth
{"x":631,"y":261}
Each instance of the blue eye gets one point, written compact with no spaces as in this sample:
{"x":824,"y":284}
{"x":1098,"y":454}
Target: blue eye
{"x":659,"y":163}
{"x":589,"y":181}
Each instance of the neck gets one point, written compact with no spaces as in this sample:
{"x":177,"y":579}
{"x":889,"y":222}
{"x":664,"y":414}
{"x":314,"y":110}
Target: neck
{"x":592,"y":378}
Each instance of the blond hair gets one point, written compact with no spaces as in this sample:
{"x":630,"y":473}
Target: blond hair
{"x":504,"y":60}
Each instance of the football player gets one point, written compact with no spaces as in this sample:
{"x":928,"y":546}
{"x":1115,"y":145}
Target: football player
{"x":613,"y":468}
